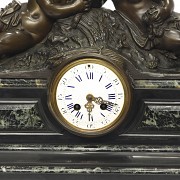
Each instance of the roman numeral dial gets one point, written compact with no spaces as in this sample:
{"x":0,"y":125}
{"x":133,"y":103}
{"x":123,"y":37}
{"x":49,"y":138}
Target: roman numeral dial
{"x":90,"y":97}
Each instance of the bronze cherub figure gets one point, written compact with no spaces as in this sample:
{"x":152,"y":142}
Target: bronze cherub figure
{"x":153,"y":23}
{"x":34,"y":22}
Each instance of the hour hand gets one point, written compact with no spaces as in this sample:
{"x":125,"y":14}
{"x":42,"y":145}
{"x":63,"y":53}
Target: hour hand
{"x":89,"y":105}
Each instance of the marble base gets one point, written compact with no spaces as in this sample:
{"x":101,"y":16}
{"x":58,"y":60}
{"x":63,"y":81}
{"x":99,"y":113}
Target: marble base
{"x":33,"y":145}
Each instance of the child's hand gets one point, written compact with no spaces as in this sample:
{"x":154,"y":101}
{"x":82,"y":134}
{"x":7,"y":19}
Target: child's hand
{"x":157,"y":14}
{"x":84,"y":5}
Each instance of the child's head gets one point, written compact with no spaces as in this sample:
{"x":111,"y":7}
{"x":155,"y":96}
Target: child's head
{"x":98,"y":3}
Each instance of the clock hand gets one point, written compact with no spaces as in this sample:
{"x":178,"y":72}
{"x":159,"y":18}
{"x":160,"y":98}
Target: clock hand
{"x":100,"y":101}
{"x":89,"y":105}
{"x":89,"y":115}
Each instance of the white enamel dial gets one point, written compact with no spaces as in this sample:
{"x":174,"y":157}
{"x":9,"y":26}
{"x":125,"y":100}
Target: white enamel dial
{"x":89,"y":96}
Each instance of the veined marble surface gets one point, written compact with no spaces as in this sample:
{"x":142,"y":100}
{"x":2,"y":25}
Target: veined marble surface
{"x":90,"y":148}
{"x":20,"y":116}
{"x":96,"y":170}
{"x":38,"y":83}
{"x":161,"y":117}
{"x":154,"y":84}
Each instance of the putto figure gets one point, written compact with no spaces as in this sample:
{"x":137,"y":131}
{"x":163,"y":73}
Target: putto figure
{"x":34,"y":22}
{"x":152,"y":23}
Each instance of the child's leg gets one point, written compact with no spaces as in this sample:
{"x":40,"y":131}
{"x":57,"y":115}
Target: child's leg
{"x":12,"y":42}
{"x":170,"y":41}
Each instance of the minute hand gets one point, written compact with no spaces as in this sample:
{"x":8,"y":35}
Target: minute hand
{"x":99,"y":101}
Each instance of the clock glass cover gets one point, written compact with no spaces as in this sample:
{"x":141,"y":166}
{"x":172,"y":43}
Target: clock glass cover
{"x":89,"y":97}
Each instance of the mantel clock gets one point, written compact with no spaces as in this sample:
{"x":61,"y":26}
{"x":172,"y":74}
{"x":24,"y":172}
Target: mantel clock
{"x":88,"y":92}
{"x":90,"y":97}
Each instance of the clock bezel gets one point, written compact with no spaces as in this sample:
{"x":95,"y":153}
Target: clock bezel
{"x":52,"y":103}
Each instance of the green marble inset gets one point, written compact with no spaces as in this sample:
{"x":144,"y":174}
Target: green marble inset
{"x":153,"y":84}
{"x":161,"y":118}
{"x":38,"y":83}
{"x":88,"y":170}
{"x":90,"y":148}
{"x":20,"y":117}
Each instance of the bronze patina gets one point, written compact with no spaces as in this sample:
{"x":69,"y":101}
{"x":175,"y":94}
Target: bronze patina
{"x":151,"y":19}
{"x":34,"y":22}
{"x":152,"y":24}
{"x":43,"y":45}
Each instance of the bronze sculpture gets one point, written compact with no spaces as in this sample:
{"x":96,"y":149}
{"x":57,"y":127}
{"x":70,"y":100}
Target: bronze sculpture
{"x":151,"y":24}
{"x":152,"y":126}
{"x":36,"y":22}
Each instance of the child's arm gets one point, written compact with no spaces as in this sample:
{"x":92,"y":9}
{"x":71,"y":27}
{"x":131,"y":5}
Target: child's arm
{"x":160,"y":12}
{"x":55,"y":10}
{"x":164,"y":9}
{"x":167,"y":5}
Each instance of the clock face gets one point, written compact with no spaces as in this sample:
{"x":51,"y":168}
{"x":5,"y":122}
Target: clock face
{"x":89,"y":97}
